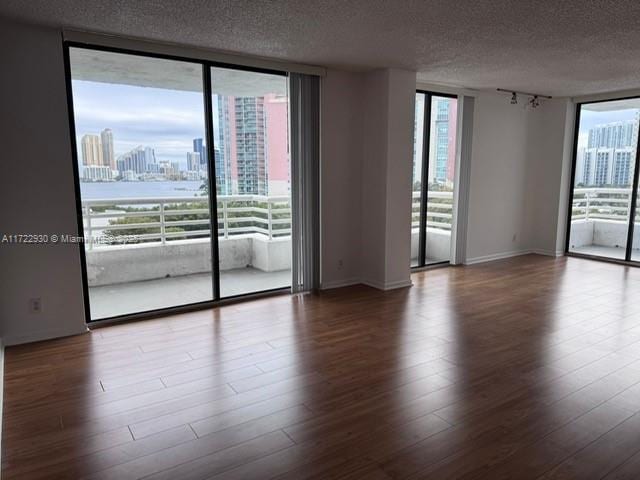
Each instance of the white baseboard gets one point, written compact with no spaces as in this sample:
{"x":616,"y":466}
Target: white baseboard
{"x":371,"y":283}
{"x":515,"y":253}
{"x":495,"y":256}
{"x":42,"y":335}
{"x":346,"y":282}
{"x":388,"y":285}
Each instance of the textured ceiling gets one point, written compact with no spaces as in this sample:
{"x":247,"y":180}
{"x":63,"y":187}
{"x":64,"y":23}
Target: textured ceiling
{"x":554,"y":47}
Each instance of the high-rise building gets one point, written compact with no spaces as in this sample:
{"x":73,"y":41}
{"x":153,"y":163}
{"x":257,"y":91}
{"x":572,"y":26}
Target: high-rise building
{"x":250,"y":152}
{"x":222,"y":152}
{"x":193,"y":161}
{"x":609,"y":154}
{"x":97,"y":173}
{"x":135,"y":160}
{"x":149,"y":155}
{"x":278,"y":177}
{"x":91,"y":150}
{"x":200,"y":147}
{"x":251,"y":145}
{"x":442,"y":145}
{"x":108,"y":157}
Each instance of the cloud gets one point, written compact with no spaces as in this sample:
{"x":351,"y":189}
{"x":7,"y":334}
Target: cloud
{"x":165,"y":120}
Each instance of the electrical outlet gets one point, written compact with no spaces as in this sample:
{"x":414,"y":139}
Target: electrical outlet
{"x":340,"y":264}
{"x":515,"y":236}
{"x":35,"y":305}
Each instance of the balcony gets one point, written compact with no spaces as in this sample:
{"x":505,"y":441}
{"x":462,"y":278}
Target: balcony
{"x":599,"y":222}
{"x":149,"y":253}
{"x":439,"y":218}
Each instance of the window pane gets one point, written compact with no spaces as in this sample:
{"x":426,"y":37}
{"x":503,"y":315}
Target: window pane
{"x":416,"y":191}
{"x":139,"y":129}
{"x":250,"y":117}
{"x":442,"y":160}
{"x":605,"y":164}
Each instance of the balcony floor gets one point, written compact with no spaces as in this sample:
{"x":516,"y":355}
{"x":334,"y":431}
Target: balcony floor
{"x":601,"y":251}
{"x":126,"y":298}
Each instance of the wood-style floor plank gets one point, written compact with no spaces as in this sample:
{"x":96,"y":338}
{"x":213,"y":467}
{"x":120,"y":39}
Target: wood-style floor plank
{"x":524,"y":368}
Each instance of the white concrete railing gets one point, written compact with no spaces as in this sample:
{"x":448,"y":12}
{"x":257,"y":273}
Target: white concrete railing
{"x":439,"y":210}
{"x":601,"y":204}
{"x":163,"y":219}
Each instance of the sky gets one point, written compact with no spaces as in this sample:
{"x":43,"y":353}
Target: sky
{"x":166,"y":120}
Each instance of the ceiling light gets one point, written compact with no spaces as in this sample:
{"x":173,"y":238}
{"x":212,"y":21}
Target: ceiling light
{"x":534,"y":102}
{"x":534,"y":98}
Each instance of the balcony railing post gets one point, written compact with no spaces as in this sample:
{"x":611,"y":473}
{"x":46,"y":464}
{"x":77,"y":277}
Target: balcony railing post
{"x":269,"y":216}
{"x":249,"y":220}
{"x":163,"y":230}
{"x":89,"y":232}
{"x":225,"y":218}
{"x":588,"y":206}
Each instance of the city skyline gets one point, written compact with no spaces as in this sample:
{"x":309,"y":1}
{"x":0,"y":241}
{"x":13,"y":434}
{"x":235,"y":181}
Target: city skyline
{"x":250,"y":134}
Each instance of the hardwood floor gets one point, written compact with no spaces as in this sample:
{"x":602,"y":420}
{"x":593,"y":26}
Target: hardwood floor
{"x":527,"y":368}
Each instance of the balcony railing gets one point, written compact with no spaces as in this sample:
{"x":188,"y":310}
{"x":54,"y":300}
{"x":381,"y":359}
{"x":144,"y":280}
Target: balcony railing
{"x":601,"y":204}
{"x":439,"y":210}
{"x":143,"y":220}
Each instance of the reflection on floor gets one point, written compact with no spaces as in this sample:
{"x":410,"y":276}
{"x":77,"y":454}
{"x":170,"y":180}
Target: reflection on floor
{"x":125,"y":298}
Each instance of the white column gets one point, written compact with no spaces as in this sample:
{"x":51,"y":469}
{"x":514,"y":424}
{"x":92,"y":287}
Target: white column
{"x":389,"y":97}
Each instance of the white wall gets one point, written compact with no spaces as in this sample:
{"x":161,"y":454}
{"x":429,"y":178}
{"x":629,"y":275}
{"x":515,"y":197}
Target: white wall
{"x":519,"y":174}
{"x":36,"y":189}
{"x":400,"y":133}
{"x":341,"y":170}
{"x":373,"y":179}
{"x":497,"y":195}
{"x":547,"y":174}
{"x":386,"y":177}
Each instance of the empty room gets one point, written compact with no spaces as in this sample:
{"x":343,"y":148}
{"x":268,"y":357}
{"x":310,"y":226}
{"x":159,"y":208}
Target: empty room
{"x":321,"y":240}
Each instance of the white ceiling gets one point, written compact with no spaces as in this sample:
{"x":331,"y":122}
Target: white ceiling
{"x":108,"y":67}
{"x":553,"y":47}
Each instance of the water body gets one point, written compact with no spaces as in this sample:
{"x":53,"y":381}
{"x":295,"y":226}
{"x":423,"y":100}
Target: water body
{"x":106,"y":190}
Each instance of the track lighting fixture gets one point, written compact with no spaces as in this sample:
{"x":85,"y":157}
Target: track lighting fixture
{"x":534,"y":98}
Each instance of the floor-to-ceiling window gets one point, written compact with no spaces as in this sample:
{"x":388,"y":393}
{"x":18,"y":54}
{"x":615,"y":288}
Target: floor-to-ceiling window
{"x":434,"y":157}
{"x":250,"y":118}
{"x":604,"y":190}
{"x":162,"y":146}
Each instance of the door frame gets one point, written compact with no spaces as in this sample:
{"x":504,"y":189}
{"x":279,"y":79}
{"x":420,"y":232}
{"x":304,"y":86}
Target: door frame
{"x":424,"y":180}
{"x":634,"y":192}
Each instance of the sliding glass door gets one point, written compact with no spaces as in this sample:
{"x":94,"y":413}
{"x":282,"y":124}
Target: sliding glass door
{"x":162,"y":147}
{"x":253,"y":188}
{"x":433,"y":178}
{"x":605,"y":181}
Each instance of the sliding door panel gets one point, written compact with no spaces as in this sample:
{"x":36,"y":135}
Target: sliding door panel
{"x":442,"y":155}
{"x":604,"y":170}
{"x":416,"y":190}
{"x":434,"y":155}
{"x":139,"y":125}
{"x":252,"y":168}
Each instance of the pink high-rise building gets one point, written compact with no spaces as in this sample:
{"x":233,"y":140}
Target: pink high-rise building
{"x":254,"y":134}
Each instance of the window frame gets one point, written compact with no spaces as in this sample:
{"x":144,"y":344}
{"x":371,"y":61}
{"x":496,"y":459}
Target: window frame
{"x":206,"y":66}
{"x":424,"y":190}
{"x":634,"y":191}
